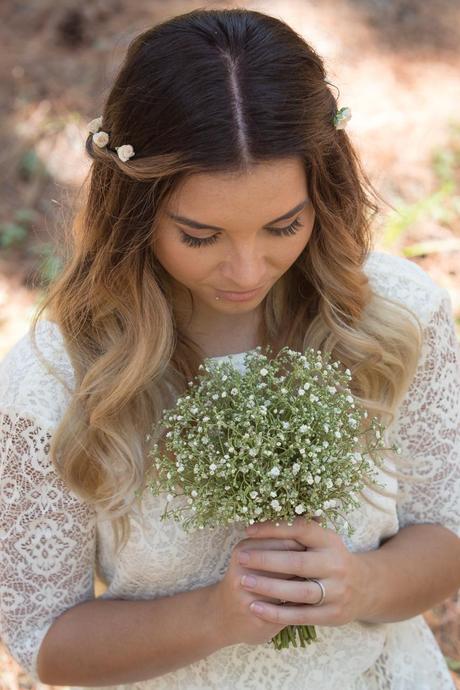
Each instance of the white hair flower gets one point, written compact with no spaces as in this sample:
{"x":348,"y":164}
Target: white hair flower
{"x":342,"y":118}
{"x":101,"y":139}
{"x":95,"y":125}
{"x":125,"y":152}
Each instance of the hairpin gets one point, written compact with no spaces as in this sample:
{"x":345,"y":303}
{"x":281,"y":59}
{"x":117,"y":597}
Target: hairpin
{"x":101,"y":139}
{"x":342,"y":117}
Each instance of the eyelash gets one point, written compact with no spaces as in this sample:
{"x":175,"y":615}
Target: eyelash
{"x":200,"y":242}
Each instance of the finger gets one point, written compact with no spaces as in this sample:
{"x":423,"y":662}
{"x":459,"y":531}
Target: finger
{"x":300,"y":591}
{"x":301,"y":563}
{"x":306,"y":532}
{"x":272,"y":544}
{"x":295,"y":615}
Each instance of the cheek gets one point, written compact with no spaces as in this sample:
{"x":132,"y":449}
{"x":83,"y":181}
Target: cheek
{"x":179,"y":261}
{"x":289,"y":251}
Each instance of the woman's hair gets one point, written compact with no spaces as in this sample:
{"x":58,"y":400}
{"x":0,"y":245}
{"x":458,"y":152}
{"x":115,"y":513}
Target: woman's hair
{"x":208,"y":91}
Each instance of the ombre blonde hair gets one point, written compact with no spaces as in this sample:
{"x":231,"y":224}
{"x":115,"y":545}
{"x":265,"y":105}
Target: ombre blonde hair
{"x":208,"y":91}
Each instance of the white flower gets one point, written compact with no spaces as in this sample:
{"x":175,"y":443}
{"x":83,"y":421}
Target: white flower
{"x":275,"y":505}
{"x":124,"y":152}
{"x":300,"y":509}
{"x":275,"y":471}
{"x":295,"y":468}
{"x":253,"y":494}
{"x":342,"y":118}
{"x":101,"y":139}
{"x":263,"y":372}
{"x":95,"y":125}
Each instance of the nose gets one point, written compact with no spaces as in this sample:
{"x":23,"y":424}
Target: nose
{"x":244,"y":270}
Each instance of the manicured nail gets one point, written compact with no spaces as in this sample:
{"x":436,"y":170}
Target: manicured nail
{"x":248,"y":581}
{"x":243,"y":557}
{"x":257,"y":608}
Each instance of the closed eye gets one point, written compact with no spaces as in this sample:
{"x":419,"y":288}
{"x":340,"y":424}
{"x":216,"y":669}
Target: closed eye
{"x":200,"y":242}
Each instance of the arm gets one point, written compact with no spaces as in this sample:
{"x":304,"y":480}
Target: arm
{"x":419,"y":566}
{"x":50,"y":621}
{"x":105,"y":642}
{"x":410,"y":573}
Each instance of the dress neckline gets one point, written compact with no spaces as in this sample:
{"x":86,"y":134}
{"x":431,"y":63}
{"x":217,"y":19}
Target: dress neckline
{"x":233,"y":355}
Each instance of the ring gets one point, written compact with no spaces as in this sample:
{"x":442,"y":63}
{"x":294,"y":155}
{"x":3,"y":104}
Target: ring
{"x":323,"y":591}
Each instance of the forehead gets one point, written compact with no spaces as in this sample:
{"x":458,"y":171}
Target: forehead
{"x":271,"y":185}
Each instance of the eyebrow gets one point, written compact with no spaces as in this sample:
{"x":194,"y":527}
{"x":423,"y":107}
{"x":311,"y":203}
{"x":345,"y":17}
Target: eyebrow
{"x":201,"y":226}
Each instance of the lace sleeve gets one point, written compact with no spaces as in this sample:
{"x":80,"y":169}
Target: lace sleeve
{"x":427,"y":427}
{"x":47,"y":540}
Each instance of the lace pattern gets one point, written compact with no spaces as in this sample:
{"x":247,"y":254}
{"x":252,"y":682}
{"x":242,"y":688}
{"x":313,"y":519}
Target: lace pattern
{"x":51,"y":541}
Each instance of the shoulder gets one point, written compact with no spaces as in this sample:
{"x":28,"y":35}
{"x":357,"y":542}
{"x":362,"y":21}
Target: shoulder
{"x":402,"y":280}
{"x":26,"y":383}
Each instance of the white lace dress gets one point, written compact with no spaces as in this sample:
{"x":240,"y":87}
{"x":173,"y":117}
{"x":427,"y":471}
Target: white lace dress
{"x":51,"y":542}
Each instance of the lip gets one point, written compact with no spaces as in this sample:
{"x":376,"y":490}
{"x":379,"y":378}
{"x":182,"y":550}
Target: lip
{"x":239,"y":296}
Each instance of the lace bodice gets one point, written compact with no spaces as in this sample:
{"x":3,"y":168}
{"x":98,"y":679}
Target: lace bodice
{"x":51,"y":542}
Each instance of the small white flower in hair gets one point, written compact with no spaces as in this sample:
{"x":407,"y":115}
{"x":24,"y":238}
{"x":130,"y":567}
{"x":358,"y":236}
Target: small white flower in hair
{"x":95,"y":125}
{"x":342,"y":118}
{"x":101,"y":139}
{"x":125,"y":152}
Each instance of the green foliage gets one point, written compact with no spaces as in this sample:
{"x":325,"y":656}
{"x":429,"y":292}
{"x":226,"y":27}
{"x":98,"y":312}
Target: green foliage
{"x":453,"y":664}
{"x":16,"y":231}
{"x":50,"y":264}
{"x":442,"y":206}
{"x":31,"y":166}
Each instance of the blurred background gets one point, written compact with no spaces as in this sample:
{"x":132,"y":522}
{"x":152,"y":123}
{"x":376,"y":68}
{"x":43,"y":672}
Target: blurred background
{"x":396,"y":64}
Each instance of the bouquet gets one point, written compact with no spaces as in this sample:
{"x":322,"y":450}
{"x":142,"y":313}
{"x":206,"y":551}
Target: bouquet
{"x":282,"y":439}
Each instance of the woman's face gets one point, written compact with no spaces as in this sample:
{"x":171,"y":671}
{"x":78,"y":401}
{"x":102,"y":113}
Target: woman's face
{"x":234,"y":232}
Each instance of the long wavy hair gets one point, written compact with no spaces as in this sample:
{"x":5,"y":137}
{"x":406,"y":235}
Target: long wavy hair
{"x":208,"y":91}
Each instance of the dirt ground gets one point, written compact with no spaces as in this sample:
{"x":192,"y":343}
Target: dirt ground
{"x":395,"y":62}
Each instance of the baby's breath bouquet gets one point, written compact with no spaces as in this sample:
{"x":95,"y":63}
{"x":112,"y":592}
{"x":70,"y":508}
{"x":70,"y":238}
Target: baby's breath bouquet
{"x":282,"y":439}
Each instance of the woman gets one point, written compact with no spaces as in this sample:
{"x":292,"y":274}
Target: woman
{"x":221,"y":166}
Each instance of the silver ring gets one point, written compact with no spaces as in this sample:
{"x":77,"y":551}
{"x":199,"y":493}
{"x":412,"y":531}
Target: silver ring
{"x":323,"y":591}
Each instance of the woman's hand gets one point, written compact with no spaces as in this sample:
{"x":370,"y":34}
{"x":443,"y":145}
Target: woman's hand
{"x":229,"y":603}
{"x":327,"y":559}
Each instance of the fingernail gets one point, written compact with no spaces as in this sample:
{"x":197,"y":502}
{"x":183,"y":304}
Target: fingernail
{"x":243,"y":557}
{"x":248,"y":581}
{"x":257,"y":608}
